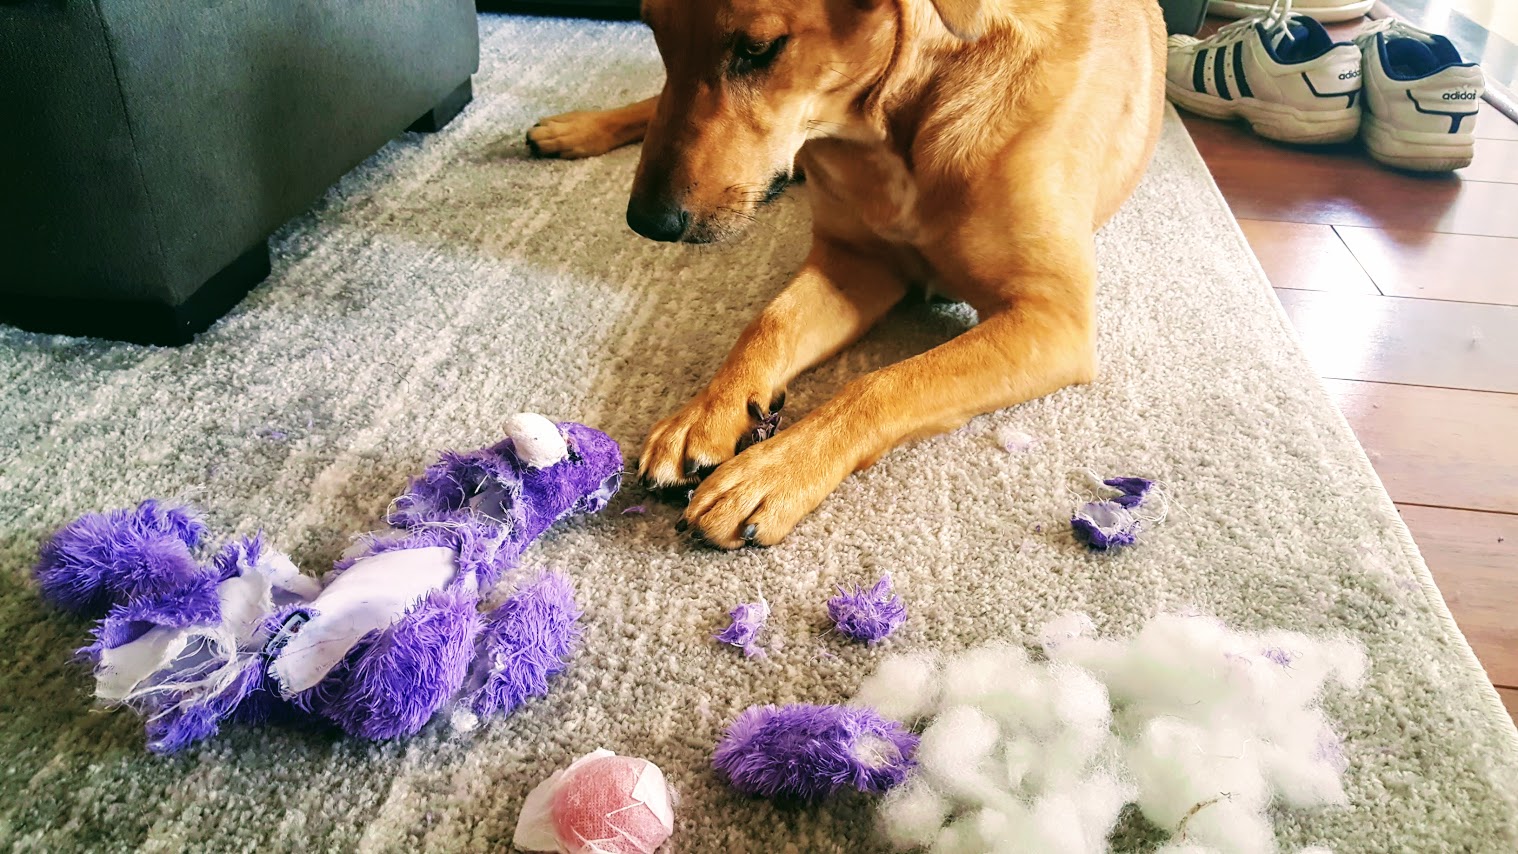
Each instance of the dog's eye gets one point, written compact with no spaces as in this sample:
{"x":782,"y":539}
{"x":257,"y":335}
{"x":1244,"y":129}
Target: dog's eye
{"x":755,"y":54}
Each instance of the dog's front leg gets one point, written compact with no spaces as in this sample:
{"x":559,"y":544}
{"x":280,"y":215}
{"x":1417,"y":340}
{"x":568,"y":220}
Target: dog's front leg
{"x":836,"y":296}
{"x":590,"y":133}
{"x":1038,"y":343}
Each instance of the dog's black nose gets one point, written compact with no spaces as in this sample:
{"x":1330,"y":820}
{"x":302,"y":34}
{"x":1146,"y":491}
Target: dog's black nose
{"x":657,"y":220}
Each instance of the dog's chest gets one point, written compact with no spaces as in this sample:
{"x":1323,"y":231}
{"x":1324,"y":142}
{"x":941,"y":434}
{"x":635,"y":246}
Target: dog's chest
{"x":863,"y":190}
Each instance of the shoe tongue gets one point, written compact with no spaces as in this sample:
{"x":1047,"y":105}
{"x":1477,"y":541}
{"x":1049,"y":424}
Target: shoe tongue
{"x":1285,"y":33}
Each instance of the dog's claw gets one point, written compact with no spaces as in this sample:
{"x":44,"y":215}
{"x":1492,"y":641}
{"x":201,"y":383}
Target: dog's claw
{"x":750,"y":532}
{"x":680,"y":526}
{"x":754,"y":411}
{"x":777,"y":402}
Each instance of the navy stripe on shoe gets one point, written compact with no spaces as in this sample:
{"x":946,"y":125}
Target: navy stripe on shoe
{"x":1199,"y":72}
{"x":1220,"y":74}
{"x":1454,"y":118}
{"x":1239,"y":79}
{"x":1316,"y":94}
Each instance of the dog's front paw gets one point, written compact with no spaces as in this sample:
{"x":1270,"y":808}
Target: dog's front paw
{"x":757,"y":497}
{"x":685,"y":446}
{"x":571,"y":136}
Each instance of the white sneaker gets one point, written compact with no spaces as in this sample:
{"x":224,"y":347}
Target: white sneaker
{"x":1323,"y":11}
{"x":1281,"y":72}
{"x":1420,"y":99}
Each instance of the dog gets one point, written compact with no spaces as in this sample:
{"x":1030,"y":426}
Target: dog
{"x":973,"y":145}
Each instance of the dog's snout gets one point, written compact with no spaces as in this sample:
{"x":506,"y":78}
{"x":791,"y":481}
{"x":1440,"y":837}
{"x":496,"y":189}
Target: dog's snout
{"x":657,"y":219}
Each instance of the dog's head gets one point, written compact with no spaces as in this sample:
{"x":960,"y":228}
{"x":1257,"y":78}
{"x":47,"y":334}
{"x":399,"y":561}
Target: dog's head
{"x":747,"y":82}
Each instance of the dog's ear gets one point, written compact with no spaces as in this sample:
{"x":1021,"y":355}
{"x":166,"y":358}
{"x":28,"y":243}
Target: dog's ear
{"x":964,"y":18}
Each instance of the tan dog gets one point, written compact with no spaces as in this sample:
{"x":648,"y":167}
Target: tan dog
{"x":972,"y":144}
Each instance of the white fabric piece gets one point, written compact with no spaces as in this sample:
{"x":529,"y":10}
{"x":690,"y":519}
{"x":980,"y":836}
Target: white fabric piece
{"x":208,"y":652}
{"x":652,"y":792}
{"x":538,"y":441}
{"x":535,"y":831}
{"x":370,"y":595}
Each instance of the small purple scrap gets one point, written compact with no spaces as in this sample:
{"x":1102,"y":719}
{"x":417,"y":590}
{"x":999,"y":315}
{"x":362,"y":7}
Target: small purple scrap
{"x":748,"y":622}
{"x":768,"y":426}
{"x":1111,"y":523}
{"x":868,"y":615}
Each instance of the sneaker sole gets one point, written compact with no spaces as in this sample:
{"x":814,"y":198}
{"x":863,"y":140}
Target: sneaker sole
{"x":1326,"y":15}
{"x":1416,"y":152}
{"x":1272,"y":121}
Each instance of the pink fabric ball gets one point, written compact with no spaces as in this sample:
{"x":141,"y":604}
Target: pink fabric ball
{"x":600,"y":807}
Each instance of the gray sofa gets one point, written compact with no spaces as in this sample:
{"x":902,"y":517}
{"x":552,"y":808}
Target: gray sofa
{"x":153,"y":146}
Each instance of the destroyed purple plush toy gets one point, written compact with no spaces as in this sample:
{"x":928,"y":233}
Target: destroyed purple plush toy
{"x":867,"y":615}
{"x":394,"y":635}
{"x":810,"y":752}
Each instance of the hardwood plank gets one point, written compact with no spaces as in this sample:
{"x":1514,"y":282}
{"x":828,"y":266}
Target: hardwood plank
{"x":1306,"y":256}
{"x":1509,"y":699}
{"x":1496,"y":160}
{"x":1339,"y":185}
{"x":1409,"y":341}
{"x":1436,"y":446}
{"x":1431,"y":265}
{"x":1474,"y":559}
{"x":1491,"y":124}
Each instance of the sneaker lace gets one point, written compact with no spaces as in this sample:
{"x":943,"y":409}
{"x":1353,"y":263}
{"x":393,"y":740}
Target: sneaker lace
{"x":1394,"y":28}
{"x":1275,"y":20}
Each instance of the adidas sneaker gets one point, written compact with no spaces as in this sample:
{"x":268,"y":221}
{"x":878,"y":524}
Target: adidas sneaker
{"x":1420,"y":99}
{"x":1323,"y":11}
{"x":1281,"y":72}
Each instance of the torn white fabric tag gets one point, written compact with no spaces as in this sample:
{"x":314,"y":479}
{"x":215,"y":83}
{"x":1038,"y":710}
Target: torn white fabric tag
{"x":370,"y":595}
{"x":652,"y":792}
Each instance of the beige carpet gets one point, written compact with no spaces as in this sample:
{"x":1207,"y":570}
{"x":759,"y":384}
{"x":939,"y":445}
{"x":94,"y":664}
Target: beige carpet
{"x":449,"y":282}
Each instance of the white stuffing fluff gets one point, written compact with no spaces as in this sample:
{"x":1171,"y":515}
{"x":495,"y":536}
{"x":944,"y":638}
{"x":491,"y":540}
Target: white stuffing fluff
{"x":1201,"y":727}
{"x":904,"y":687}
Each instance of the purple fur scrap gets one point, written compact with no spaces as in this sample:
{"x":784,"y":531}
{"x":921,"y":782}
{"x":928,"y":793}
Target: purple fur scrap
{"x":105,"y":559}
{"x":810,"y":752}
{"x":748,"y":622}
{"x":868,"y":615}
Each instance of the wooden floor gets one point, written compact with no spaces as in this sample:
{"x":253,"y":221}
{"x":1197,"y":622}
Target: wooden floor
{"x":1405,"y":292}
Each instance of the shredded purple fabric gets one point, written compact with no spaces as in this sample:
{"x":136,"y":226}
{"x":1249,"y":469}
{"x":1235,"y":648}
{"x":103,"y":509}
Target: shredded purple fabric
{"x":524,"y":501}
{"x":868,"y":615}
{"x":524,"y":643}
{"x":1112,"y":523}
{"x":104,"y":559}
{"x":1134,"y":486}
{"x":768,"y":426}
{"x":1105,"y":525}
{"x":809,"y":752}
{"x":748,"y":622}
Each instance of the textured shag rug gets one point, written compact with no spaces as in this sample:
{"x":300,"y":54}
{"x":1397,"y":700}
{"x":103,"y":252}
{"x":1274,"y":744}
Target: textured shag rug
{"x":450,"y":281}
